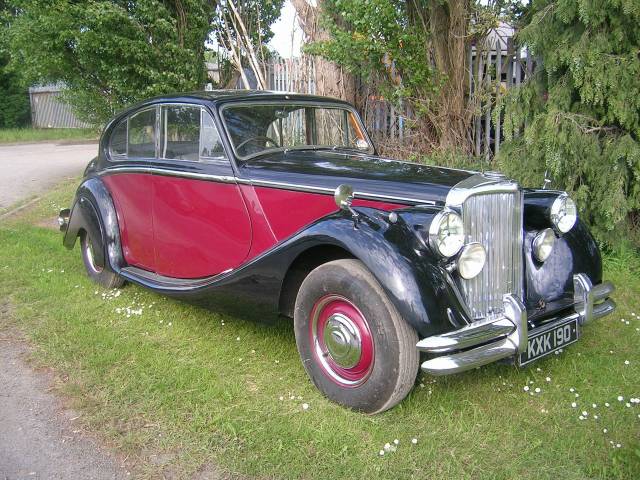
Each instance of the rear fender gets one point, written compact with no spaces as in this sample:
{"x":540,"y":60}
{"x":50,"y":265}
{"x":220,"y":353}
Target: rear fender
{"x":94,"y":212}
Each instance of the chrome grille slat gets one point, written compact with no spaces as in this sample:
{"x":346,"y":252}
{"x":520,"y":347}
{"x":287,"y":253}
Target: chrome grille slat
{"x":495,"y":220}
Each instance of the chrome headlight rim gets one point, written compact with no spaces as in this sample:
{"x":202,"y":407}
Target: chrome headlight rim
{"x":563,"y":213}
{"x":543,"y":244}
{"x":442,"y":219}
{"x":474,"y":252}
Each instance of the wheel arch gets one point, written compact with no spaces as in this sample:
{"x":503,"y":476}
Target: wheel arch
{"x":302,"y":265}
{"x":93,"y":211}
{"x":415,"y":282}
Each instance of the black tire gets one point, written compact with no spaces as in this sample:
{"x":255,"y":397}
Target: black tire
{"x":101,"y":274}
{"x":370,"y":360}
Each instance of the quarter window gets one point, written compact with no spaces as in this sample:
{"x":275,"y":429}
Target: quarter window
{"x":118,"y":144}
{"x":142,"y":134}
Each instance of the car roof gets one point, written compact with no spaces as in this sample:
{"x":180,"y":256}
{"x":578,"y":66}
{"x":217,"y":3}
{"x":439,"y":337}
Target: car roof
{"x":223,"y":96}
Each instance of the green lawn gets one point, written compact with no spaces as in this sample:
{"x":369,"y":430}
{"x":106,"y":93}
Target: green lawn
{"x":226,"y":388}
{"x":18,"y":135}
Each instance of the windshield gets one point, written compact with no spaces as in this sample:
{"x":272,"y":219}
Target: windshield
{"x":256,"y":129}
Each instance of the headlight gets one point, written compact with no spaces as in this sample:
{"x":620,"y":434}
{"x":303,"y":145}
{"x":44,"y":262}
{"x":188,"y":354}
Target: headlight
{"x":446,"y":233}
{"x":564,"y":213}
{"x":543,"y":244}
{"x":471,"y":260}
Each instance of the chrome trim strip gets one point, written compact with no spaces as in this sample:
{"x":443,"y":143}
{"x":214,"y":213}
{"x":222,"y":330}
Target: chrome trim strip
{"x":286,"y":186}
{"x":262,"y":183}
{"x":171,"y":173}
{"x":327,"y":190}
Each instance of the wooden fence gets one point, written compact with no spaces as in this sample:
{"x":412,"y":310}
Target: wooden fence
{"x":494,"y":67}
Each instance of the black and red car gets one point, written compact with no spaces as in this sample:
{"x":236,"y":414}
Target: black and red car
{"x":281,"y":198}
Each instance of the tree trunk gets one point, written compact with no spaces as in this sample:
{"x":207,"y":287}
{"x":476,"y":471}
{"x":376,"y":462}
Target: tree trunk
{"x":331,"y":80}
{"x":450,"y":43}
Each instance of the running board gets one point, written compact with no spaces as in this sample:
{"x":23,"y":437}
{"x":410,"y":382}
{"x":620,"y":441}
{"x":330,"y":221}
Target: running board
{"x":161,"y":282}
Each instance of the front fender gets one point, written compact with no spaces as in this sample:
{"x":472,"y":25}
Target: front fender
{"x":94,"y":212}
{"x":416,"y":282}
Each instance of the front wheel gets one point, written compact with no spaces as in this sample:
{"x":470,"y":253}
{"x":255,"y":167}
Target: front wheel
{"x":101,"y":274}
{"x":353,"y":343}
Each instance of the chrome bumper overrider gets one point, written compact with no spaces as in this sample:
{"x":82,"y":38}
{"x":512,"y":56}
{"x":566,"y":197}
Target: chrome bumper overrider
{"x":63,"y":219}
{"x":486,"y":341}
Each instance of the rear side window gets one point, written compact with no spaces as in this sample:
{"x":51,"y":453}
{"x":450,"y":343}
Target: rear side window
{"x":118,"y":144}
{"x":142,"y":134}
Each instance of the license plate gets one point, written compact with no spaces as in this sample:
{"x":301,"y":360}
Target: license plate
{"x":549,"y":340}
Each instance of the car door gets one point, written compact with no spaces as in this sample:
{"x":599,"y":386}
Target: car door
{"x":200,"y":222}
{"x":132,"y":148}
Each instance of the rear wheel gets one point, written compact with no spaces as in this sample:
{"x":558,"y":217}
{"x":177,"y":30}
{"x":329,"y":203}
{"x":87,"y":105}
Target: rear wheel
{"x":101,"y":274}
{"x":353,"y":343}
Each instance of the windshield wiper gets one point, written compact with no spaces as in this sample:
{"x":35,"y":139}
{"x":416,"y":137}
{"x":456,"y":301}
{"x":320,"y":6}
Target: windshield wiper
{"x":306,"y":148}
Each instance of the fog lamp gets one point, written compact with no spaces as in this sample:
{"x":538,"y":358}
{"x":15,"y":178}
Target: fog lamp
{"x":543,"y":244}
{"x":471,"y":260}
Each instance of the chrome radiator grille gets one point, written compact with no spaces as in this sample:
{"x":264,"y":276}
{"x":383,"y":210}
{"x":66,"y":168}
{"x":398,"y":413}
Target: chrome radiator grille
{"x":494,"y":220}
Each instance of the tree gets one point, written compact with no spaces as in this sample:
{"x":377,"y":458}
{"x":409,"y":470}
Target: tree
{"x":14,"y":108}
{"x":331,"y":79}
{"x":242,"y":28}
{"x":111,"y":53}
{"x":417,"y":53}
{"x":579,"y":118}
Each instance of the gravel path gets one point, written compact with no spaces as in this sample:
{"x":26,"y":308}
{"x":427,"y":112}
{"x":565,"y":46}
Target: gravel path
{"x":39,"y":437}
{"x":30,"y":169}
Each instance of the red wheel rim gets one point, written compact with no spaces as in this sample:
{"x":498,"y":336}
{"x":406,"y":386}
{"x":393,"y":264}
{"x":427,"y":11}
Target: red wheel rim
{"x":341,"y":340}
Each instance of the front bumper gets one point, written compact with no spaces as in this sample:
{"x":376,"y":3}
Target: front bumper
{"x":506,"y":336}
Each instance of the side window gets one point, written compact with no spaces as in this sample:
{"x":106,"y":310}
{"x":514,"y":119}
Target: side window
{"x":189,"y":133}
{"x":180,"y":132}
{"x":210,"y":143}
{"x":142,"y":134}
{"x":118,"y":142}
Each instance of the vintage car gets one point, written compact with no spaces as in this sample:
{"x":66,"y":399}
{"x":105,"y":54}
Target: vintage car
{"x":280,"y":198}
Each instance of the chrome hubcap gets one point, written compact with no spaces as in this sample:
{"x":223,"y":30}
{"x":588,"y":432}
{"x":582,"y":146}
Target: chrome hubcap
{"x":342,"y":340}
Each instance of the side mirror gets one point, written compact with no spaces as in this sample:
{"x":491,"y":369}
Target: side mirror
{"x":343,"y":196}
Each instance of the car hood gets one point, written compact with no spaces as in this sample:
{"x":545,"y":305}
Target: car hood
{"x":370,"y":176}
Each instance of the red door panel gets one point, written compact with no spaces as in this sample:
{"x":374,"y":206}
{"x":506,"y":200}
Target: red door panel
{"x":201,"y":228}
{"x":132,"y":198}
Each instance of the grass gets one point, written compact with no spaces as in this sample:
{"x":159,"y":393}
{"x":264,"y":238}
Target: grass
{"x":225,"y":388}
{"x":19,"y":135}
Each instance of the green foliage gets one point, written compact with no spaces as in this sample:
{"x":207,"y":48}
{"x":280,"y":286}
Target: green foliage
{"x":111,"y":53}
{"x":257,"y":15}
{"x":366,"y":37}
{"x":14,"y":108}
{"x":579,"y":117}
